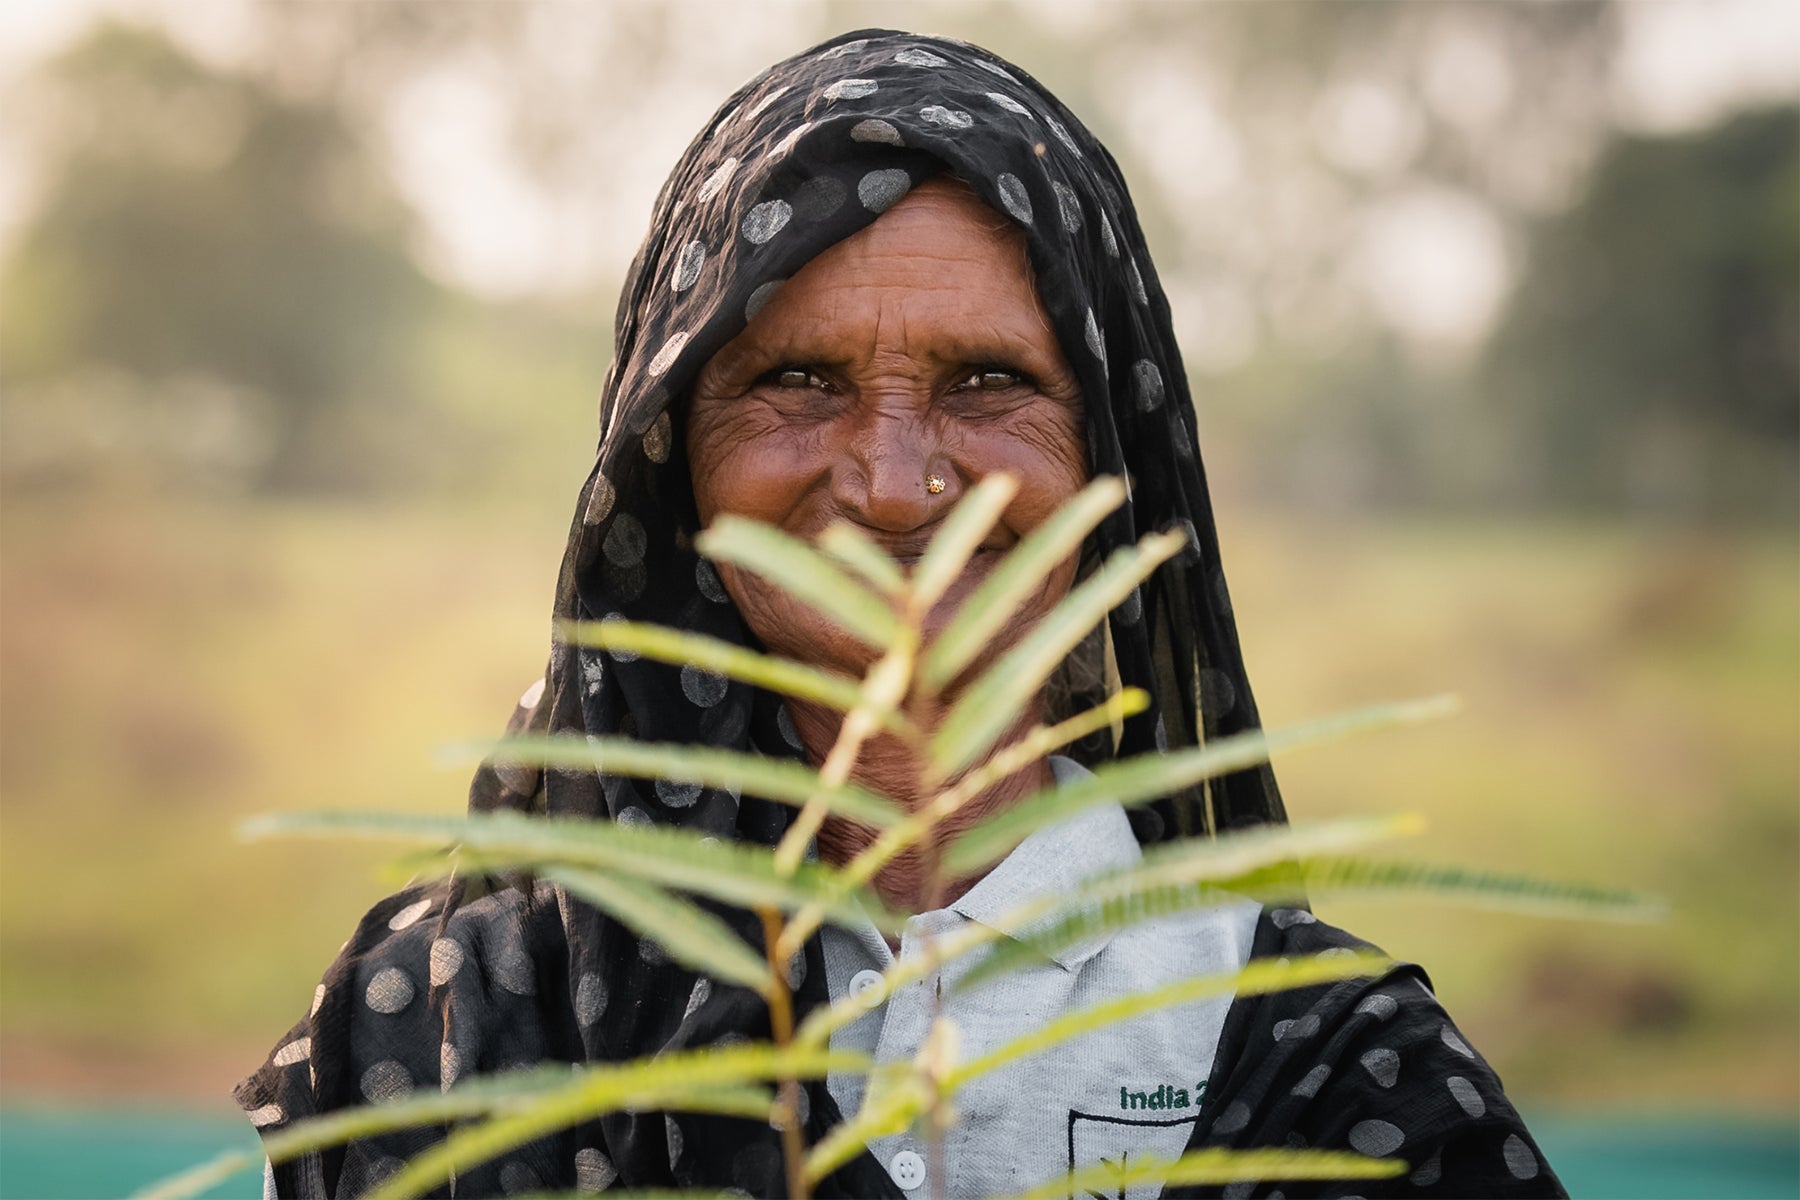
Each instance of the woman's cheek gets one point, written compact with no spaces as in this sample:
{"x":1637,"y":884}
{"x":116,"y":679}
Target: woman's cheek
{"x":744,"y":464}
{"x":1047,"y":450}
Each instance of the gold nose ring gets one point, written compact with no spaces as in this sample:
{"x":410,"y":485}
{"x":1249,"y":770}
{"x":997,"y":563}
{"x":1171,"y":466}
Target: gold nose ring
{"x":934,"y":484}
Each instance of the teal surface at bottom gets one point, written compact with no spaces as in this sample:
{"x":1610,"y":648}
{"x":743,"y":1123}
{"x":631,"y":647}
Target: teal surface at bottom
{"x":56,"y":1152}
{"x":1670,"y":1157}
{"x":69,"y":1153}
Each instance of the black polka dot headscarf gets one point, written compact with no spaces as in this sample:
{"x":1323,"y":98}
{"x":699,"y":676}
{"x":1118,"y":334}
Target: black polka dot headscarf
{"x":473,"y":975}
{"x":806,"y":154}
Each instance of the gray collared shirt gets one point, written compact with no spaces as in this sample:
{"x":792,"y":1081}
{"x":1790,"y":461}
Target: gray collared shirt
{"x":1115,"y":1093}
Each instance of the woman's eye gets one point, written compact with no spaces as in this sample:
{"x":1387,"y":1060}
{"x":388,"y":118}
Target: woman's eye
{"x":993,"y":379}
{"x":795,"y":377}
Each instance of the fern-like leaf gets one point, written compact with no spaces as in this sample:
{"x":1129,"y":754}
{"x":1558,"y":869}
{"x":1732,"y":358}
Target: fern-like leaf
{"x":682,"y":648}
{"x":1203,"y":1167}
{"x":1255,"y":978}
{"x":803,"y":573}
{"x":781,"y":780}
{"x":993,"y":702}
{"x":688,"y":933}
{"x":1019,"y":574}
{"x":1135,"y":781}
{"x":958,"y":537}
{"x":732,"y":872}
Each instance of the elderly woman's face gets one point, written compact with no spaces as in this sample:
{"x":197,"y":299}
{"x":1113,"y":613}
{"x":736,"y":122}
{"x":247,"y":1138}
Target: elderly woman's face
{"x":916,"y":347}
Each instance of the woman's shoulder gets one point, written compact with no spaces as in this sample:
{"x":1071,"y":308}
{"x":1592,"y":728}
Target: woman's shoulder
{"x":1373,"y":1064}
{"x":449,"y":979}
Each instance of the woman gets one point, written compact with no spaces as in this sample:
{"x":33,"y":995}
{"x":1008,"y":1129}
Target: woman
{"x":886,"y":268}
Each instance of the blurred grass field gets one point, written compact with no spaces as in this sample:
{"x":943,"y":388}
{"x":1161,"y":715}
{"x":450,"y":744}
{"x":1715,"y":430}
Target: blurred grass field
{"x":173,"y":666}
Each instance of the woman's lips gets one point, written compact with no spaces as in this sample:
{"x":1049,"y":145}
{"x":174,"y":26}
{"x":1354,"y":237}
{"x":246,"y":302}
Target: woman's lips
{"x":911,"y":558}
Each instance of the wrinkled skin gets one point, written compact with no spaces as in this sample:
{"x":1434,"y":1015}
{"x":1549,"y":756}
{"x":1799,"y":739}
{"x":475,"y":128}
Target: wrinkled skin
{"x":917,"y":346}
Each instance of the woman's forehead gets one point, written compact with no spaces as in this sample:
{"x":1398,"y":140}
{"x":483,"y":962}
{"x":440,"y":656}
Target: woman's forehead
{"x":940,"y":240}
{"x":940,"y":277}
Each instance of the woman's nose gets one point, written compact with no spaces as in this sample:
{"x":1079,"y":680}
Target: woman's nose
{"x":882,"y":482}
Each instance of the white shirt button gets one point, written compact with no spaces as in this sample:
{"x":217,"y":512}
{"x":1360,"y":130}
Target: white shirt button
{"x":908,"y":1169}
{"x":862,"y":986}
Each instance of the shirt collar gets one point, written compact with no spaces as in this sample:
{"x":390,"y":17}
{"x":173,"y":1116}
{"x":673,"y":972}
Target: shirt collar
{"x":1055,"y":859}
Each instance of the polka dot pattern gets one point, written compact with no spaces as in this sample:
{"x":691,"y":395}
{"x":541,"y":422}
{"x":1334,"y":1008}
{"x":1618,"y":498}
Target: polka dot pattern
{"x":1383,"y":1066}
{"x":446,"y":960}
{"x":948,"y":118}
{"x":698,"y":997}
{"x":390,"y":991}
{"x":707,"y":580}
{"x":881,"y":190}
{"x":409,"y":916}
{"x":267,"y":1115}
{"x":386,"y":1080}
{"x":790,"y":736}
{"x":851,"y":89}
{"x":665,"y":358}
{"x":916,"y":57}
{"x":760,"y":297}
{"x":1313,"y":1080}
{"x":875,"y":130}
{"x":1135,"y":278}
{"x":1379,"y":1006}
{"x":676,"y":794}
{"x":1456,"y":1043}
{"x":449,"y":1066}
{"x":656,"y":439}
{"x":715,"y":182}
{"x":1068,"y":207}
{"x":1108,"y":240}
{"x":1014,"y":197}
{"x":687,"y":266}
{"x":1147,"y":385}
{"x":600,"y":502}
{"x":594,"y":1172}
{"x":590,"y":998}
{"x":1235,"y":1117}
{"x":994,"y":68}
{"x":625,"y":543}
{"x":1521,"y":1160}
{"x":1297,"y":1028}
{"x":296,"y":1051}
{"x":1376,"y":1138}
{"x":786,"y":145}
{"x":1467,"y":1096}
{"x":765,"y":221}
{"x":703,"y":688}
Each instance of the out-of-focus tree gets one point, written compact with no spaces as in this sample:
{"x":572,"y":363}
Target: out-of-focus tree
{"x":1651,"y":357}
{"x":211,"y":267}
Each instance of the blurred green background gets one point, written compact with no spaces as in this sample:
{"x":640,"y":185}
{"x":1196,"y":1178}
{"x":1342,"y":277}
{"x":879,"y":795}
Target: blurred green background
{"x":1491,"y":313}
